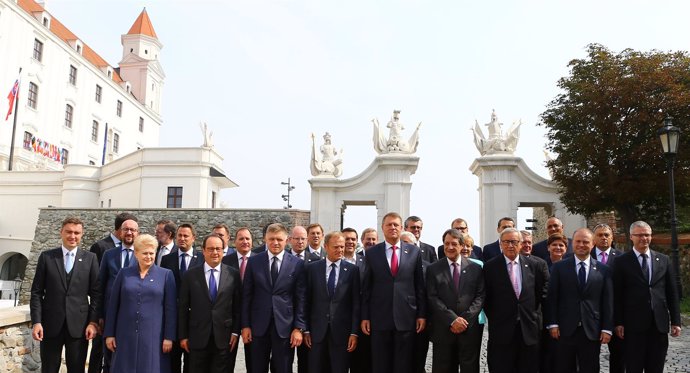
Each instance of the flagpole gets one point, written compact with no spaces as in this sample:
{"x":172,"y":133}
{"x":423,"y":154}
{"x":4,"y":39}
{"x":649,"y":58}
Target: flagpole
{"x":14,"y":126}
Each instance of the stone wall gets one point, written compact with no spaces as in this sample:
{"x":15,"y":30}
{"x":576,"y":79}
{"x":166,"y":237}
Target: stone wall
{"x":99,"y":222}
{"x":18,"y":351}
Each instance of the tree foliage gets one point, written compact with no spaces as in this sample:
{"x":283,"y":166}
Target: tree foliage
{"x":603,"y":127}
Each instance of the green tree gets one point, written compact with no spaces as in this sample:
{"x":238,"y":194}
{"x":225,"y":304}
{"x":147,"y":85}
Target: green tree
{"x":603,"y":127}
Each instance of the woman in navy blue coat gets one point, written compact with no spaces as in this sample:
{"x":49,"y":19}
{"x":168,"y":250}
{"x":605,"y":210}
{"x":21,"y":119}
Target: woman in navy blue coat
{"x":142,"y":314}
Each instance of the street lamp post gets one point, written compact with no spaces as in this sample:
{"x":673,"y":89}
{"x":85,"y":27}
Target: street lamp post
{"x":17,"y":288}
{"x":670,"y":136}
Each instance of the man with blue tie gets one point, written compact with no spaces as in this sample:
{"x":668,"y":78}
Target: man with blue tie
{"x":333,"y":308}
{"x":393,"y":299}
{"x":273,"y":300}
{"x":114,"y":260}
{"x":579,"y":307}
{"x":179,"y":262}
{"x":64,"y":301}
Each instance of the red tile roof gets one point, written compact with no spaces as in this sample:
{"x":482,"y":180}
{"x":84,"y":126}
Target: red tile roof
{"x":143,"y":26}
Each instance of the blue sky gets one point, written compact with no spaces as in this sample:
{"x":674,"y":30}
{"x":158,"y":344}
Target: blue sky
{"x":264,"y":75}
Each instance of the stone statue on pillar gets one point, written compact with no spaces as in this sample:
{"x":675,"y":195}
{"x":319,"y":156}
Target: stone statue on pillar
{"x":395,"y":142}
{"x":328,"y":161}
{"x":208,"y":135}
{"x":498,"y":142}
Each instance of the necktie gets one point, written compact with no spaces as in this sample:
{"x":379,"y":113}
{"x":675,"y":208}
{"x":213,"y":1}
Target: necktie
{"x":183,"y":264}
{"x":127,"y":254}
{"x":331,"y":281}
{"x":604,"y":257}
{"x":300,"y":256}
{"x":69,"y":262}
{"x":212,"y":289}
{"x":582,"y":275}
{"x":243,"y":266}
{"x":513,"y":278}
{"x":274,"y":270}
{"x":456,"y":276}
{"x":645,"y":267}
{"x":394,"y":261}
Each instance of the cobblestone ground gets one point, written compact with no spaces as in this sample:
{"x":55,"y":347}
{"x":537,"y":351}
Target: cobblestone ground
{"x":677,"y":360}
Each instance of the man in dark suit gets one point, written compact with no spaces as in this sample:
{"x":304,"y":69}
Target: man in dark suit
{"x":223,"y":231}
{"x":179,"y":262}
{"x":461,"y":225}
{"x":579,"y":307}
{"x":298,"y":247}
{"x":605,"y":253}
{"x":315,"y":234}
{"x":455,"y":292}
{"x":333,"y":307}
{"x":393,"y":299}
{"x":64,"y":301}
{"x":273,"y":297}
{"x":360,"y":361}
{"x":165,"y":234}
{"x":114,"y":260}
{"x":515,"y":288}
{"x":351,"y":238}
{"x":645,"y":303}
{"x":237,"y":259}
{"x":494,"y":249}
{"x":209,"y":310}
{"x":99,"y":248}
{"x":553,"y":226}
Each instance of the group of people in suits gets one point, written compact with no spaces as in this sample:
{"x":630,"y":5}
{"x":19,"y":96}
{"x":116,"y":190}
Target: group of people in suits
{"x":160,"y":305}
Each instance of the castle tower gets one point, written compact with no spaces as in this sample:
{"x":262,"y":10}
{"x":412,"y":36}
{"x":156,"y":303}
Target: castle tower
{"x":140,"y":66}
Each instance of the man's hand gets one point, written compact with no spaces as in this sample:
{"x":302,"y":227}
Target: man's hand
{"x":246,"y":335}
{"x":111,"y":344}
{"x":167,"y":346}
{"x":366,"y":327}
{"x":351,"y":343}
{"x":233,"y":342}
{"x":459,"y":325}
{"x":620,"y":331}
{"x":37,"y":332}
{"x":604,"y":338}
{"x":421,"y":324}
{"x":307,"y":339}
{"x":184,"y":343}
{"x":675,"y":330}
{"x":556,"y":333}
{"x":91,"y":331}
{"x":295,"y":338}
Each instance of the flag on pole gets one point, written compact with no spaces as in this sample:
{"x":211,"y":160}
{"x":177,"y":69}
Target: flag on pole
{"x":14,"y":92}
{"x":105,"y":143}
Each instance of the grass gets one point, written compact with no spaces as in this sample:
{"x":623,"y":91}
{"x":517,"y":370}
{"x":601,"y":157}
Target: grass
{"x":685,"y":305}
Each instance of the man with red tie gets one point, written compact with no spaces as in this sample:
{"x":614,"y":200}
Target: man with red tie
{"x":393,"y":299}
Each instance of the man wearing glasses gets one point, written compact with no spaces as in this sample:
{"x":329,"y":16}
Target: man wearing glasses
{"x":645,"y":303}
{"x":461,"y":225}
{"x":515,"y":287}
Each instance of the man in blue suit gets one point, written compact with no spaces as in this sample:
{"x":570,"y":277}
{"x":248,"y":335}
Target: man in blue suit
{"x":494,"y":249}
{"x":333,"y":308}
{"x":579,"y":307}
{"x":273,"y":315}
{"x":114,"y":260}
{"x":393,"y":299}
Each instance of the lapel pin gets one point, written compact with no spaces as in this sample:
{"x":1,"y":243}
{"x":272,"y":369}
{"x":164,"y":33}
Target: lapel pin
{"x":526,"y":265}
{"x":344,"y":269}
{"x":464,"y":271}
{"x":593,"y":267}
{"x":151,"y":280}
{"x":405,"y":251}
{"x":80,"y":259}
{"x":657,"y":259}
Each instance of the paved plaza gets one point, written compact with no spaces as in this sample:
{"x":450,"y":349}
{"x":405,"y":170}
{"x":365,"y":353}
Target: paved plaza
{"x":677,"y":361}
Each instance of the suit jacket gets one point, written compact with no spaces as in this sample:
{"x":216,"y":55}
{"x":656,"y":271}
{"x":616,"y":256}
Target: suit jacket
{"x":567,"y":305}
{"x":110,"y":266}
{"x":101,"y":246}
{"x":362,"y":265}
{"x":402,"y":296}
{"x":172,"y":262}
{"x":541,"y":249}
{"x":309,"y":257}
{"x":428,"y":253}
{"x":634,"y":295}
{"x":342,"y":312}
{"x":490,"y":251}
{"x":476,"y":253}
{"x":282,"y":302}
{"x":199,"y":318}
{"x":503,"y":308}
{"x":55,"y":302}
{"x":158,"y":250}
{"x":446,"y":304}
